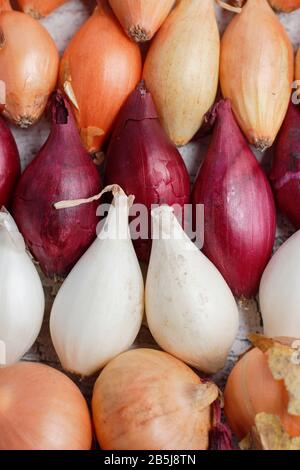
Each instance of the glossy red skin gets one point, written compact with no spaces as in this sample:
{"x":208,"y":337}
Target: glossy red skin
{"x":144,"y":162}
{"x":285,"y":174}
{"x":62,"y":170}
{"x":240,"y":217}
{"x":9,"y":164}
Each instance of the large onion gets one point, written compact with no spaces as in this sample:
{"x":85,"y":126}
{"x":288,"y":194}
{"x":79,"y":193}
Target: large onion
{"x":41,"y":409}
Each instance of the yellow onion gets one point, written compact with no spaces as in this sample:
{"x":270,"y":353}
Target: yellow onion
{"x":285,"y":5}
{"x":141,"y":18}
{"x":181,"y":68}
{"x":256,"y":71}
{"x":39,"y":8}
{"x":148,"y":400}
{"x":99,"y":70}
{"x":28,"y":66}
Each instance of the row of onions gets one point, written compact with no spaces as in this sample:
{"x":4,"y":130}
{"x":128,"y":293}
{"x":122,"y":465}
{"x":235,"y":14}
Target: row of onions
{"x":147,"y":399}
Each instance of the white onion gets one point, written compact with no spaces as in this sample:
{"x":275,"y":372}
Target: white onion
{"x":22,"y":299}
{"x":98,"y":311}
{"x":279,"y":293}
{"x":190,"y":309}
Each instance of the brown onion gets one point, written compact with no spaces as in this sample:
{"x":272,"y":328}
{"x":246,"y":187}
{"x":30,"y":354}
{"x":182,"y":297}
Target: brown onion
{"x":39,"y":8}
{"x":41,"y":409}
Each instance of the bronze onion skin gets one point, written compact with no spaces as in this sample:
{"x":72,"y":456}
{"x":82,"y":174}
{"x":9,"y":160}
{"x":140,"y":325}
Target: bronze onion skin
{"x":62,"y":170}
{"x":240,"y":217}
{"x":285,"y":174}
{"x":41,"y":409}
{"x":285,"y":5}
{"x":39,"y":8}
{"x":144,"y":162}
{"x":99,"y":69}
{"x":149,"y":400}
{"x":9,"y":163}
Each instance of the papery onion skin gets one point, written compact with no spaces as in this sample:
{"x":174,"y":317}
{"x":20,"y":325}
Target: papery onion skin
{"x":285,"y":174}
{"x":285,"y":5}
{"x":181,"y":68}
{"x":144,"y":162}
{"x":240,"y":216}
{"x":256,"y":71}
{"x":251,"y":389}
{"x":61,"y":170}
{"x":279,"y":294}
{"x":9,"y":163}
{"x":39,"y":8}
{"x":141,"y":18}
{"x":103,"y":56}
{"x":28,"y":67}
{"x":147,"y":400}
{"x":41,"y":409}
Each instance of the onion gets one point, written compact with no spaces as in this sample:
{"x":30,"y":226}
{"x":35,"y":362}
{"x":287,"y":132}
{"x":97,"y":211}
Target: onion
{"x":285,"y":5}
{"x":256,"y":71}
{"x":9,"y":163}
{"x":148,"y":400}
{"x":140,"y":147}
{"x":191,"y":311}
{"x":286,"y":167}
{"x":21,"y":294}
{"x":41,"y":409}
{"x":251,"y":389}
{"x":181,"y":68}
{"x":39,"y":8}
{"x":240,"y":217}
{"x":28,"y":67}
{"x":98,"y":311}
{"x":279,"y":294}
{"x":61,"y":170}
{"x":101,"y":55}
{"x":141,"y":18}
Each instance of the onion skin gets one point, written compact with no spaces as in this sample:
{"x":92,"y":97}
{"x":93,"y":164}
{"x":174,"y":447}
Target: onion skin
{"x":251,"y":389}
{"x":9,"y":163}
{"x":28,"y":67}
{"x":62,"y":170}
{"x":144,"y":162}
{"x":39,"y":8}
{"x":240,"y":216}
{"x":41,"y":409}
{"x":141,"y":18}
{"x":257,"y":75}
{"x":103,"y":56}
{"x":285,"y":5}
{"x":182,"y":66}
{"x":147,"y":400}
{"x":285,"y":174}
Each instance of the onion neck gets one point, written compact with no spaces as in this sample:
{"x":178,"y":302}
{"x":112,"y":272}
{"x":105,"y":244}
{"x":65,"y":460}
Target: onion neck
{"x":63,"y":120}
{"x":5,"y":6}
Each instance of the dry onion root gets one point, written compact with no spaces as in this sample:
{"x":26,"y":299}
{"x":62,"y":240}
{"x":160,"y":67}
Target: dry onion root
{"x":39,"y":8}
{"x":256,"y":71}
{"x":28,"y":66}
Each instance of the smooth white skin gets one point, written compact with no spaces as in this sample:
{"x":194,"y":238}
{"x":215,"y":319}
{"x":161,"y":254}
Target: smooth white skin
{"x":98,"y":311}
{"x":22,"y":300}
{"x":279,"y":293}
{"x":190,"y":309}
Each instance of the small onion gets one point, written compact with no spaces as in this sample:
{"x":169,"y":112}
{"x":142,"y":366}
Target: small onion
{"x":41,"y":409}
{"x":148,"y":400}
{"x":251,"y":389}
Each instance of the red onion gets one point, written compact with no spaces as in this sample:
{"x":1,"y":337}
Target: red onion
{"x":143,"y":160}
{"x":240,"y":217}
{"x":9,"y":163}
{"x":61,"y":170}
{"x":286,"y":169}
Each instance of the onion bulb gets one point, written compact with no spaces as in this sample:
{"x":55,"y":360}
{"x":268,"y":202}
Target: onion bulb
{"x":21,"y":294}
{"x":190,"y":309}
{"x":98,"y":311}
{"x":39,"y":8}
{"x":279,"y":294}
{"x":103,"y":57}
{"x":10,"y":167}
{"x":182,"y":67}
{"x":141,"y":18}
{"x":41,"y":409}
{"x":28,"y":67}
{"x":256,"y":71}
{"x":285,"y":5}
{"x":252,"y":389}
{"x":148,"y":400}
